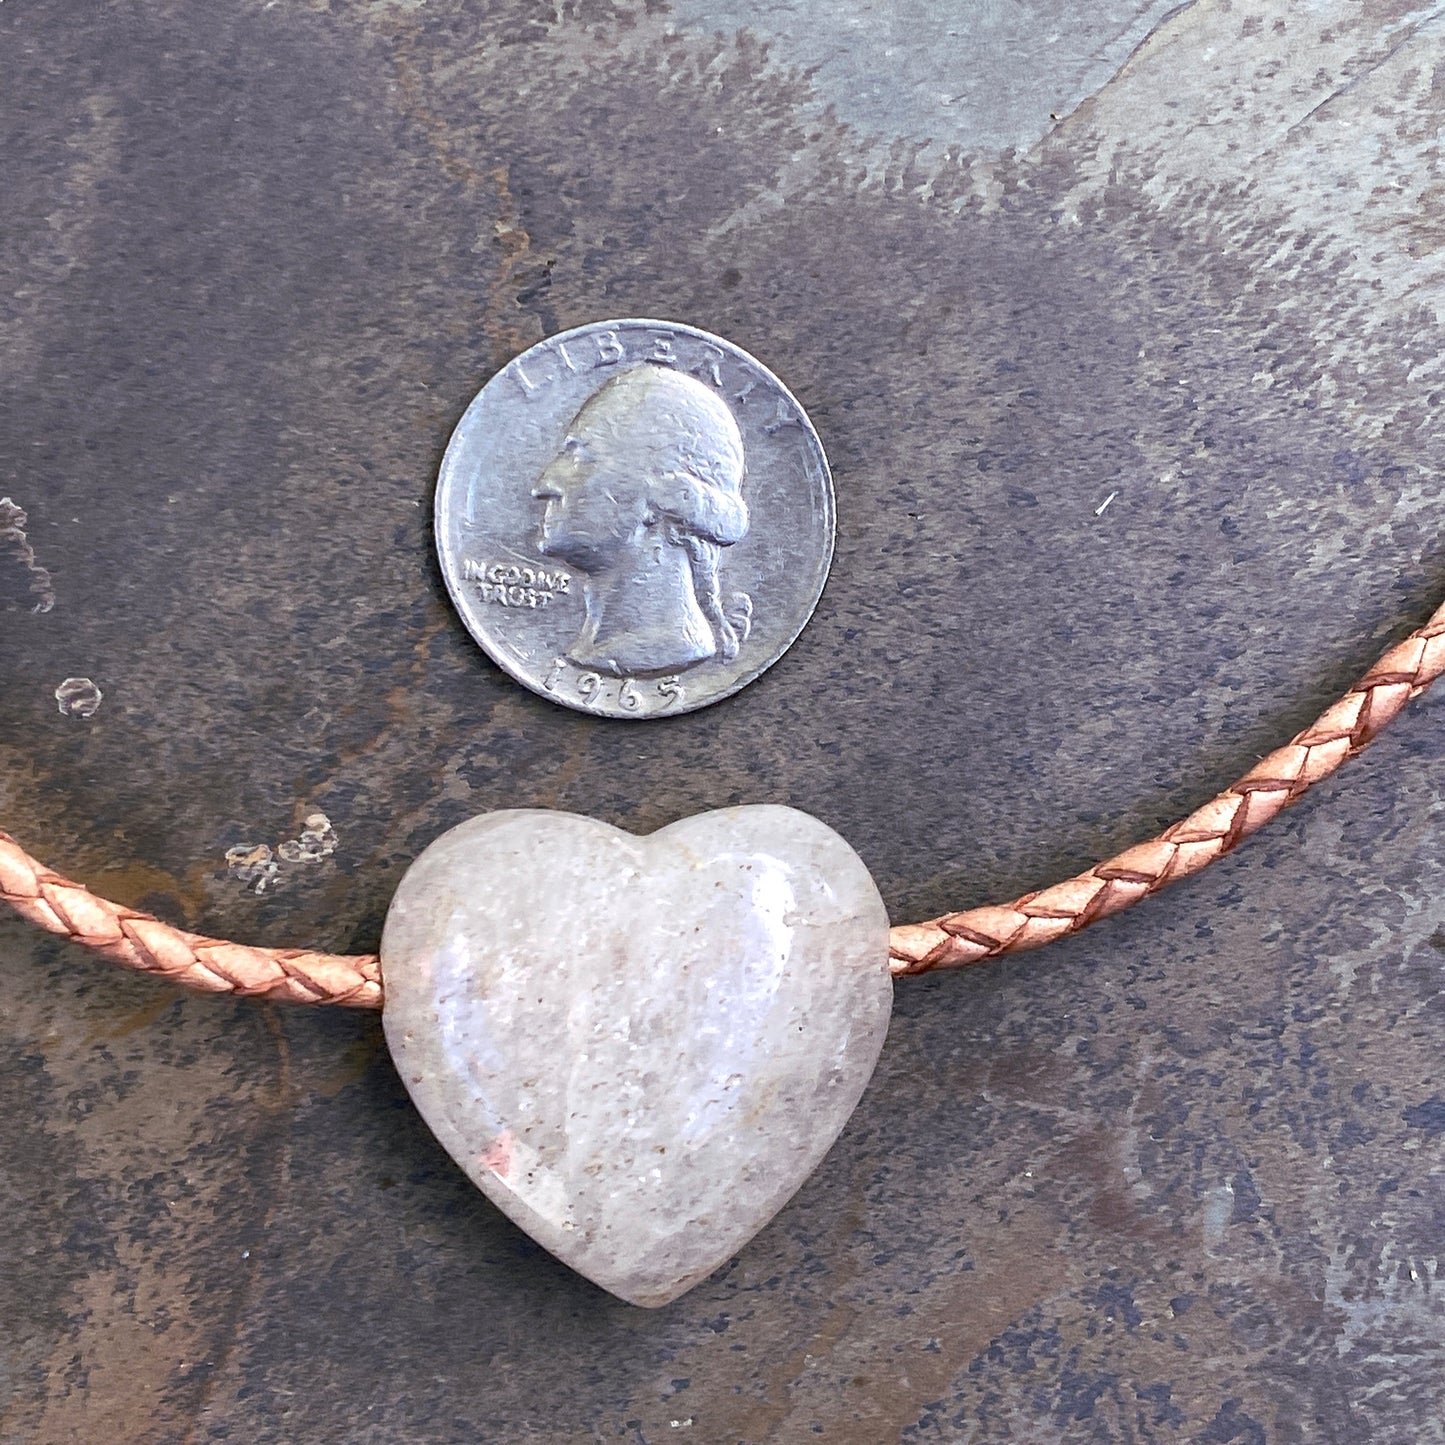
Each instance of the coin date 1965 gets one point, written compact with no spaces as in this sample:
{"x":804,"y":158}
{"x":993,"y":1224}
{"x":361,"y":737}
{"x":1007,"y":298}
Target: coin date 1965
{"x":629,"y":693}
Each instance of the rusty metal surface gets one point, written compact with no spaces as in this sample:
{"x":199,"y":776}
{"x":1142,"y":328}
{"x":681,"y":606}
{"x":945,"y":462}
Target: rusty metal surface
{"x":1136,"y":421}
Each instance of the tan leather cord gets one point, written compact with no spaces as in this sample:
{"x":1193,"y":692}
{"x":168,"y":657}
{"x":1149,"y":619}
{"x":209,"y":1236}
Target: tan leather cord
{"x":1341,"y":731}
{"x":140,"y":941}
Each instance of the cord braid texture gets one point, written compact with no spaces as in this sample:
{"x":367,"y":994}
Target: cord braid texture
{"x":142,"y":942}
{"x":1276,"y":781}
{"x":295,"y":975}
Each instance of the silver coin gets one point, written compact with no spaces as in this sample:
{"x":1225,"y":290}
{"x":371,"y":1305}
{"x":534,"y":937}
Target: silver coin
{"x":635,"y":518}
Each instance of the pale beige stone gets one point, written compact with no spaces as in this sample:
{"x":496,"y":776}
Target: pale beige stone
{"x":637,"y":1047}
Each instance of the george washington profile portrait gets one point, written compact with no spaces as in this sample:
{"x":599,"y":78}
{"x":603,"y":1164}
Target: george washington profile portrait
{"x":645,"y":492}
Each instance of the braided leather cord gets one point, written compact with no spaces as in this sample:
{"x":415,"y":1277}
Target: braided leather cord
{"x":1272,"y":784}
{"x":143,"y":942}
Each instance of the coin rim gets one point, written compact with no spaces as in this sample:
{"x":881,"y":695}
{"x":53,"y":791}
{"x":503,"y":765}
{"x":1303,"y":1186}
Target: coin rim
{"x":455,"y":584}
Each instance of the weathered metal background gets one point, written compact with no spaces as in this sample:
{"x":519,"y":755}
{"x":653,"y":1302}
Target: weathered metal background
{"x":1180,"y":1179}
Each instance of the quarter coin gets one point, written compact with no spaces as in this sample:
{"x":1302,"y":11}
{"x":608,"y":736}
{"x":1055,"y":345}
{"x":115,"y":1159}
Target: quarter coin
{"x":635,"y":518}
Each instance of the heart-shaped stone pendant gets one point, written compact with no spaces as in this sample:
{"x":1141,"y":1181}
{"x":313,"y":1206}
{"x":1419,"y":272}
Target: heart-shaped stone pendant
{"x":637,"y":1047}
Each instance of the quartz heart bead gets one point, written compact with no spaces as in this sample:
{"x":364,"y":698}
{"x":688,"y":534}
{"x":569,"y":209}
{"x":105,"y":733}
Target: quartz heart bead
{"x":638,"y":1047}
